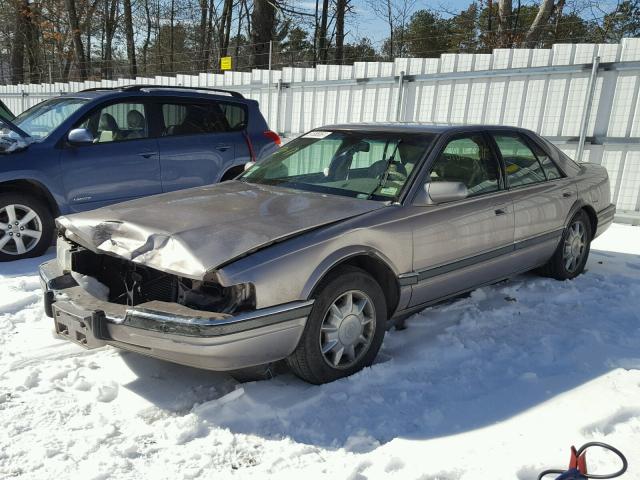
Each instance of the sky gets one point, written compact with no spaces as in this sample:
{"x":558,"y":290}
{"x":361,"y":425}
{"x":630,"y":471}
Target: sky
{"x":364,"y":23}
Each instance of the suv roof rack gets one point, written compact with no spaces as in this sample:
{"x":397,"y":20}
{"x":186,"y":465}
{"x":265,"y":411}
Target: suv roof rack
{"x":141,"y":86}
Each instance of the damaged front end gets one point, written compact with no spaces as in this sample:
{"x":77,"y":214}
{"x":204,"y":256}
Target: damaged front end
{"x":99,"y":299}
{"x":124,"y":282}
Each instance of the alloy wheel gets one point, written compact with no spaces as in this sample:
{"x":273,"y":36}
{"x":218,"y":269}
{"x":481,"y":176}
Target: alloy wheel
{"x":347,"y":329}
{"x":574,"y":248}
{"x":20,"y":229}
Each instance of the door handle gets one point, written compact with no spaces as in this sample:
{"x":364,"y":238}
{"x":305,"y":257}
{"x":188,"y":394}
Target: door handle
{"x":500,"y":211}
{"x":567,"y":194}
{"x":147,"y":154}
{"x":223,"y":148}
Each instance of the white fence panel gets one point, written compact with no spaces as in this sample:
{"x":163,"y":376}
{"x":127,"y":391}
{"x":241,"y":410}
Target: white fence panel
{"x":545,"y":90}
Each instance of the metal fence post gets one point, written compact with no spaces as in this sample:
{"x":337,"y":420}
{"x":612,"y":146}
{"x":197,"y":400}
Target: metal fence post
{"x":279,"y":90}
{"x":24,"y":100}
{"x":399,"y":97}
{"x":586,"y":113}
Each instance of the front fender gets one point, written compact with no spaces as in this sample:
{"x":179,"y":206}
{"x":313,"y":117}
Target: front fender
{"x":340,"y":256}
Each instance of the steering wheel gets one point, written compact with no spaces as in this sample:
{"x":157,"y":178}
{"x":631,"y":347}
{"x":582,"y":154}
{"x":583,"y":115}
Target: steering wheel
{"x":396,"y":171}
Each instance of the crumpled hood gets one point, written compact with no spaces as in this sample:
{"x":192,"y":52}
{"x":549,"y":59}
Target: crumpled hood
{"x":190,"y":232}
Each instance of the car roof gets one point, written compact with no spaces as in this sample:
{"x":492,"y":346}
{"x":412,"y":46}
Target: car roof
{"x":156,"y":91}
{"x":416,"y":127}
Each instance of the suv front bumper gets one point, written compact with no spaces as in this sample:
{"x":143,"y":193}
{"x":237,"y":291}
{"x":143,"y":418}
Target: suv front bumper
{"x":170,"y":331}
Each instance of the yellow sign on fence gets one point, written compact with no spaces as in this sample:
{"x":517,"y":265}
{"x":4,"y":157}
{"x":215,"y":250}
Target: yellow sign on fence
{"x":225,"y":63}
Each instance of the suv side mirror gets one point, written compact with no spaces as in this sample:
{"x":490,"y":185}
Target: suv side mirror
{"x":434,"y":193}
{"x":80,"y":136}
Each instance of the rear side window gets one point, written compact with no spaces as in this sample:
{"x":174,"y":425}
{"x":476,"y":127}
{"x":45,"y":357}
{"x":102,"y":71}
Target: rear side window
{"x":236,"y":115}
{"x":521,"y":164}
{"x":550,"y":169}
{"x":193,"y":119}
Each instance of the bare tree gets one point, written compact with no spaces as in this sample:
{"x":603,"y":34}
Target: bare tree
{"x":263,"y":19}
{"x":322,"y":32}
{"x":396,"y":14}
{"x":131,"y":47}
{"x":76,"y":34}
{"x":505,"y":13}
{"x":341,"y":10}
{"x":19,"y":40}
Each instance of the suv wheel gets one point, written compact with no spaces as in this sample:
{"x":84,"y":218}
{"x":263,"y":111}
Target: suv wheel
{"x":344,"y":330}
{"x":26,"y":227}
{"x":572,"y":253}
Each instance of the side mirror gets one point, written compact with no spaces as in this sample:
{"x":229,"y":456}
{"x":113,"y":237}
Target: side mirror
{"x":434,"y":193}
{"x":80,"y":136}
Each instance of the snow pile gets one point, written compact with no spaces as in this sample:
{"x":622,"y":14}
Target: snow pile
{"x":496,"y":385}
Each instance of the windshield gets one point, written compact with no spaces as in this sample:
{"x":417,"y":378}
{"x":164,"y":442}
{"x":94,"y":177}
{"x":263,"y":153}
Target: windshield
{"x":350,"y":163}
{"x":39,"y":121}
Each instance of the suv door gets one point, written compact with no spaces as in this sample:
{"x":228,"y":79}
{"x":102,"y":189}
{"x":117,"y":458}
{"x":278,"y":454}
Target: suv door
{"x":199,"y":141}
{"x":122,"y":162}
{"x":542,"y":195}
{"x":464,"y":243}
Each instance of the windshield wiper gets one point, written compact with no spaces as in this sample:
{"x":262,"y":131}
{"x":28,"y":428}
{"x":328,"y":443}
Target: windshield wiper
{"x":385,"y":175}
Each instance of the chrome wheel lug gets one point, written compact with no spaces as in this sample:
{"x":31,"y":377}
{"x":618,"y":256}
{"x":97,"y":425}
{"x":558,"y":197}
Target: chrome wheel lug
{"x":21,"y":228}
{"x":9,"y":226}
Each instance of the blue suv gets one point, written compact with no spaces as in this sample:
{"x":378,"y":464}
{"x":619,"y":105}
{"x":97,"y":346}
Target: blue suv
{"x":85,"y":150}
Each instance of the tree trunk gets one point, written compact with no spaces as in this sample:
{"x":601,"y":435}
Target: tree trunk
{"x":172,"y":42}
{"x":147,"y":40}
{"x":76,"y":35}
{"x":341,"y":10}
{"x":315,"y":35}
{"x":34,"y":54}
{"x":131,"y":47}
{"x":110,"y":11}
{"x":225,"y":27}
{"x":539,"y":23}
{"x":263,"y":19}
{"x":505,"y":12}
{"x":19,"y":41}
{"x":322,"y":34}
{"x":202,"y":34}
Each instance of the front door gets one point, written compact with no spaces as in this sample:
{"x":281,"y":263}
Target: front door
{"x":460,"y":244}
{"x":121,"y":164}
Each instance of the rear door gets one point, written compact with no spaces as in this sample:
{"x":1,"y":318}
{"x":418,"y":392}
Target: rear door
{"x":542,"y":195}
{"x":121,"y":164}
{"x":460,"y":244}
{"x":199,"y":141}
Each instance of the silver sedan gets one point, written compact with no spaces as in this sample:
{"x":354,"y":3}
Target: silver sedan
{"x":311,"y":254}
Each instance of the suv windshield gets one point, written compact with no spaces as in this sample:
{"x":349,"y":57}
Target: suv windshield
{"x":373,"y":165}
{"x":42,"y":119}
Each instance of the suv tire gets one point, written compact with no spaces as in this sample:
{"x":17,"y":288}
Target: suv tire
{"x":26,"y":227}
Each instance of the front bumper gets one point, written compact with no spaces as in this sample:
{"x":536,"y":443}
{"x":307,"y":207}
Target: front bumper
{"x":172,"y":332}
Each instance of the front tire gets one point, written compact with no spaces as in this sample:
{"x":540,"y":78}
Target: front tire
{"x":572,"y":253}
{"x":26,"y":227}
{"x":344,"y":330}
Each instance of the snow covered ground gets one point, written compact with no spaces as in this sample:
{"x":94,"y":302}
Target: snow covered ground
{"x":496,"y":385}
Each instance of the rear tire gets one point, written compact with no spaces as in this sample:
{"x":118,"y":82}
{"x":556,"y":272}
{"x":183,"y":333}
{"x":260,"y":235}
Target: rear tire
{"x":572,"y":253}
{"x":26,"y":227}
{"x":344,"y":330}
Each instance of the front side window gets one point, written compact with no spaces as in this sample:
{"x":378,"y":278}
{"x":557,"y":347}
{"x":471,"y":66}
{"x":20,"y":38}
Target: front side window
{"x":39,"y":121}
{"x":193,"y":119}
{"x":521,"y":164}
{"x":117,"y":122}
{"x":358,"y":164}
{"x":469,"y":160}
